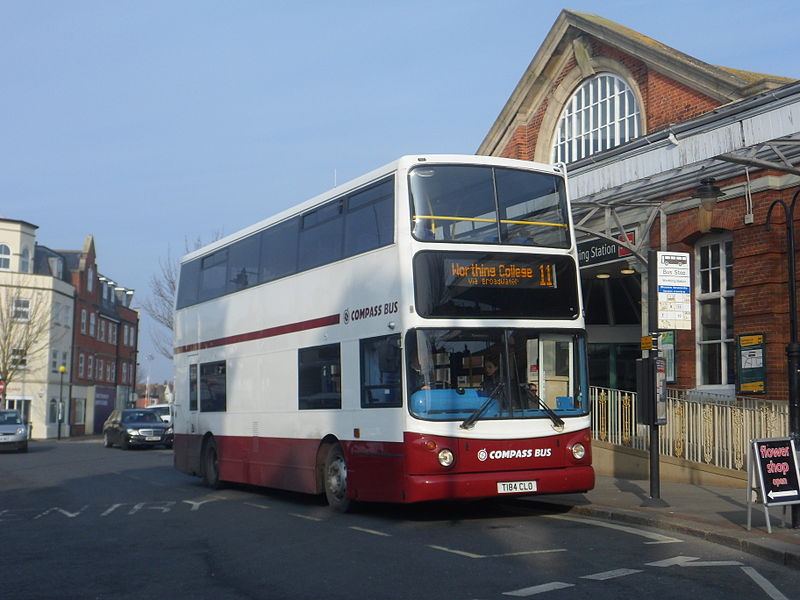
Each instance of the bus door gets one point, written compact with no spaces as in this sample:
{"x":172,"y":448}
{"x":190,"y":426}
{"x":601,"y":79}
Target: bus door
{"x":555,"y":360}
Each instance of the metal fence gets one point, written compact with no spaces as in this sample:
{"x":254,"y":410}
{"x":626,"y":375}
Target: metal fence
{"x":701,"y":427}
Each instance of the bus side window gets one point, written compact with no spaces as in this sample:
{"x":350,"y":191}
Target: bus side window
{"x":380,"y":372}
{"x":193,"y":387}
{"x":319,"y":372}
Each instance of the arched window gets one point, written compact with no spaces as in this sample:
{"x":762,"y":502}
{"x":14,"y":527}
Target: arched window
{"x":601,"y":114}
{"x":5,"y":257}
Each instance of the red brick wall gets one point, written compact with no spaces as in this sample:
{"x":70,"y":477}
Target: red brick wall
{"x":665,"y":101}
{"x":760,"y":274}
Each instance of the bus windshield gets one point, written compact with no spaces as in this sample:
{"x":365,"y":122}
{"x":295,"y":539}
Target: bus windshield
{"x":488,"y":205}
{"x":474,"y":374}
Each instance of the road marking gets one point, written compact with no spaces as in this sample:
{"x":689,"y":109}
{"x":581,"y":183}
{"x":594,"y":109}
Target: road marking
{"x":306,"y":517}
{"x":471,"y":555}
{"x":458,"y":552}
{"x":254,"y":505}
{"x":713,"y":563}
{"x":611,"y":574}
{"x":656,"y":538}
{"x":539,"y":589}
{"x":669,"y":562}
{"x":765,"y":585}
{"x":371,"y":531}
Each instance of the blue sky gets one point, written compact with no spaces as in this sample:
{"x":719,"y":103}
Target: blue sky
{"x":150,"y":123}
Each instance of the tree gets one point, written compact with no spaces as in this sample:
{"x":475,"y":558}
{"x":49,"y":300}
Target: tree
{"x":24,"y":329}
{"x":160,"y":305}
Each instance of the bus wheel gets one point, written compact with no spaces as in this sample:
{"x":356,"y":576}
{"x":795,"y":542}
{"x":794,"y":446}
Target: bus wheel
{"x":336,"y":480}
{"x":210,"y":463}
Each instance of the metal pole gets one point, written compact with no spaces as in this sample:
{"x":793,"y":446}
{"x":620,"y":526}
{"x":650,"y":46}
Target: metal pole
{"x":793,"y":347}
{"x":60,"y":402}
{"x":652,"y":326}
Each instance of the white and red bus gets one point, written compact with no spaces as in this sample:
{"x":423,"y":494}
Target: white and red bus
{"x":415,"y":334}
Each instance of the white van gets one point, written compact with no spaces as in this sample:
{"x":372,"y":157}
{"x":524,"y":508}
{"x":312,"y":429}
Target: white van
{"x":165,"y":411}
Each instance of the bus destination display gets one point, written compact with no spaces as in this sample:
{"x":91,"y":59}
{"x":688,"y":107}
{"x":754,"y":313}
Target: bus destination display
{"x":499,"y":274}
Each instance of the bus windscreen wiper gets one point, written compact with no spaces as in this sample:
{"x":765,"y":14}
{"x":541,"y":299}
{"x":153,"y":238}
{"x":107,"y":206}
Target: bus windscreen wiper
{"x":558,"y":423}
{"x":469,"y":422}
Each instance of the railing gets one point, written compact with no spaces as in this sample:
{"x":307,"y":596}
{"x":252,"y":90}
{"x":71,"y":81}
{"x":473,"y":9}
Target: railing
{"x":701,"y":427}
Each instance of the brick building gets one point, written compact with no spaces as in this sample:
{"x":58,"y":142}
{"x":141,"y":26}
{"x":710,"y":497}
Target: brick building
{"x":105,"y":335}
{"x":667,"y":152}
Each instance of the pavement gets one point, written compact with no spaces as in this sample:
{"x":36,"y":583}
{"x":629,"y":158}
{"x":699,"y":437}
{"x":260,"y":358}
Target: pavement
{"x":716,"y":514}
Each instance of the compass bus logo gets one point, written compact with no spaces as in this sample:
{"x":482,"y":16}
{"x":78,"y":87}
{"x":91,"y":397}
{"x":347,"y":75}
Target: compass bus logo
{"x":482,"y":454}
{"x":346,"y":316}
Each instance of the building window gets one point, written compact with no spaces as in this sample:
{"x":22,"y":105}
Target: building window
{"x":19,"y":358}
{"x":124,"y":373}
{"x":714,"y":298}
{"x":22,"y":309}
{"x":24,"y":261}
{"x":81,"y":364}
{"x":319,"y":372}
{"x":52,"y":416}
{"x":90,"y":280}
{"x":5,"y":257}
{"x":102,"y":331}
{"x":90,"y":368}
{"x":83,"y":320}
{"x":54,"y":361}
{"x":601,"y":114}
{"x":92,"y":324}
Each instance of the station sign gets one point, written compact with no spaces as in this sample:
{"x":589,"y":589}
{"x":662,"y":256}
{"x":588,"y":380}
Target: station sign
{"x":674,"y":281}
{"x":596,"y":251}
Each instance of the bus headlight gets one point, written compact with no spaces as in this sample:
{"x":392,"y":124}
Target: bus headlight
{"x":446,"y":457}
{"x":578,"y":450}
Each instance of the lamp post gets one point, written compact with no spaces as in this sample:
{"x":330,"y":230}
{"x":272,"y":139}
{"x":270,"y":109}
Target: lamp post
{"x":61,"y":370}
{"x":793,"y":347}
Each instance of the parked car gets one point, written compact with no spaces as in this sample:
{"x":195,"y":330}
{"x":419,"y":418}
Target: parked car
{"x":136,"y":427}
{"x":13,"y":431}
{"x":165,"y":411}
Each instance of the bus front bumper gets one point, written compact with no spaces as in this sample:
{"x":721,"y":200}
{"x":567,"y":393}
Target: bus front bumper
{"x":421,"y":488}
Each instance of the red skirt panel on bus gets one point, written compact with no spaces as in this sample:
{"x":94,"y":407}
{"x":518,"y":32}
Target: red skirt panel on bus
{"x":406,"y":471}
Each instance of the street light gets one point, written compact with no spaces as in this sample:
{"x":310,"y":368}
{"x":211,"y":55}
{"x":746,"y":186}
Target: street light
{"x":61,"y":370}
{"x":793,"y":347}
{"x":708,"y":194}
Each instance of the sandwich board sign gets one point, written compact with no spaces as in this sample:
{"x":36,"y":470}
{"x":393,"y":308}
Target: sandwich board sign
{"x":773,"y":474}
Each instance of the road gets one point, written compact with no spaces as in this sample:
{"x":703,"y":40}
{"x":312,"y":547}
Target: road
{"x":82,"y":521}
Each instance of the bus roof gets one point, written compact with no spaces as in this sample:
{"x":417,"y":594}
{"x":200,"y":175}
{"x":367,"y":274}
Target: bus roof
{"x":405,"y":161}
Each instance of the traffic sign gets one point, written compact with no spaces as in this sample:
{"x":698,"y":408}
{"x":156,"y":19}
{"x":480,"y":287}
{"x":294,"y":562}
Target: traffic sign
{"x":2,"y":386}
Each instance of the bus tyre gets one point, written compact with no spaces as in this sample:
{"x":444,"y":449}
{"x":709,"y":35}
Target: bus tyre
{"x":211,"y":465}
{"x":335,"y":478}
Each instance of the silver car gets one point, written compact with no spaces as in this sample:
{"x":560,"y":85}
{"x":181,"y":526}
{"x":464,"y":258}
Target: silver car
{"x":13,"y":431}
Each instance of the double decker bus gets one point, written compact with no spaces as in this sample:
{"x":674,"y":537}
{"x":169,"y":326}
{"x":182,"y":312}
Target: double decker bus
{"x":415,"y":334}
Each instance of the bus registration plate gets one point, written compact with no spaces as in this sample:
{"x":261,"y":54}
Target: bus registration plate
{"x":515,"y":487}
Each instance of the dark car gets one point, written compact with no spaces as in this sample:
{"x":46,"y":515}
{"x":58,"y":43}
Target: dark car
{"x":136,"y":427}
